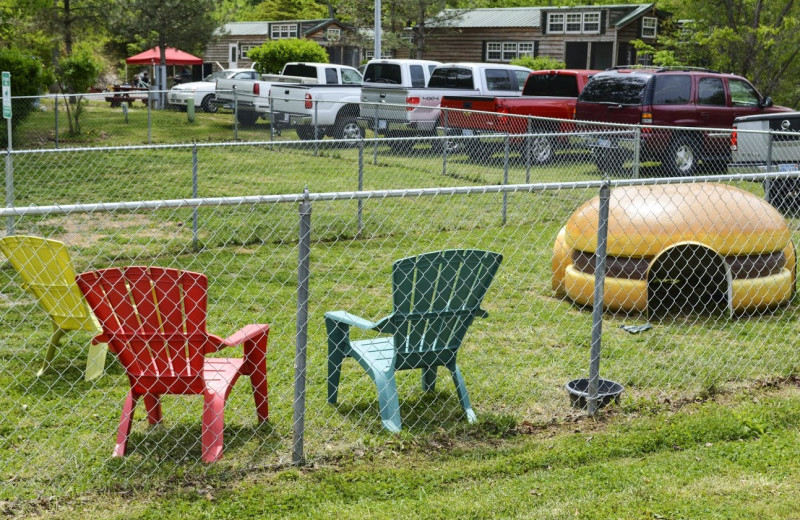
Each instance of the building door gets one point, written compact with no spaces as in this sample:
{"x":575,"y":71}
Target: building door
{"x":602,"y":53}
{"x":233,"y":55}
{"x":577,"y":54}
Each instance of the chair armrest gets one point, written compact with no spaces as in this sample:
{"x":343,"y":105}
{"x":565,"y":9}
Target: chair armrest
{"x":350,"y":319}
{"x":251,"y":332}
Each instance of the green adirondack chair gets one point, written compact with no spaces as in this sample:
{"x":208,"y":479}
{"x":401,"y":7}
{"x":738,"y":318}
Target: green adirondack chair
{"x":435,"y":298}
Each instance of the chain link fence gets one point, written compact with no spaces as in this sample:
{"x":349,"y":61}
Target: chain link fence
{"x":698,"y":294}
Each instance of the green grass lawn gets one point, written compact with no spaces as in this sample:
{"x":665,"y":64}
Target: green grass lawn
{"x":57,"y":431}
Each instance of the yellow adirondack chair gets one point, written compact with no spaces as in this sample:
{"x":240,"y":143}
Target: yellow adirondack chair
{"x":46,"y":271}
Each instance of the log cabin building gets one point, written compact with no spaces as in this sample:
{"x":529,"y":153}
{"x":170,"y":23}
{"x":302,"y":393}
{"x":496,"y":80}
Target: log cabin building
{"x":583,"y":37}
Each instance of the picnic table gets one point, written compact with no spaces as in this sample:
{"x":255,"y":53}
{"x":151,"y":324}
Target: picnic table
{"x":127,"y":94}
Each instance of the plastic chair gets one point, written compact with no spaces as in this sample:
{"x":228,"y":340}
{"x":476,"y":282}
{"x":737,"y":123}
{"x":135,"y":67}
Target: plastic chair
{"x":155,"y":321}
{"x":46,"y":271}
{"x":435,"y":297}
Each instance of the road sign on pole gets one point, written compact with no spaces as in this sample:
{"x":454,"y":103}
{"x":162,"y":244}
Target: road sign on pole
{"x":6,"y":95}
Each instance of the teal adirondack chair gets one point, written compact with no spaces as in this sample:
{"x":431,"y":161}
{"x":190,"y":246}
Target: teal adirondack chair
{"x":435,"y":298}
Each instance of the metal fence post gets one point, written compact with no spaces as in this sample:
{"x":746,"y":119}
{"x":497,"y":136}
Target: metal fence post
{"x":303,"y":272}
{"x":375,"y":137}
{"x":149,"y":119}
{"x":528,"y":152}
{"x":235,"y":115}
{"x":637,"y":149}
{"x":360,"y":185}
{"x":446,"y":142}
{"x":316,"y":122}
{"x":195,"y":241}
{"x":9,"y":182}
{"x":505,"y":178}
{"x":55,"y":109}
{"x":597,"y":311}
{"x":271,"y":117}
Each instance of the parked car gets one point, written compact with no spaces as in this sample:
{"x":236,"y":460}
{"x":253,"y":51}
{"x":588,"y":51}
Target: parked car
{"x":770,"y":142}
{"x":203,"y":91}
{"x":546,"y":94}
{"x":693,"y":98}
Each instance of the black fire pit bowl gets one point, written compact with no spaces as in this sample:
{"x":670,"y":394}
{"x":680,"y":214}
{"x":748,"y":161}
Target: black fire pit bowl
{"x":607,"y":391}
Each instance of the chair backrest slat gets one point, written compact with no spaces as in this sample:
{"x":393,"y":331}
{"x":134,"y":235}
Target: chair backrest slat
{"x":448,"y":288}
{"x":46,"y":271}
{"x":144,"y":311}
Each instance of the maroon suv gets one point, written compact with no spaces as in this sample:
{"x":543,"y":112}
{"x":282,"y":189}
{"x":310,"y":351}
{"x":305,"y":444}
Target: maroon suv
{"x":688,"y":98}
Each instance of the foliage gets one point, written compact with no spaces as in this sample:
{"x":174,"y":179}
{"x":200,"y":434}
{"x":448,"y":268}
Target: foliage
{"x":286,"y":10}
{"x":662,"y":58}
{"x":28,"y":78}
{"x":538,"y":63}
{"x":77,"y":73}
{"x":270,"y":57}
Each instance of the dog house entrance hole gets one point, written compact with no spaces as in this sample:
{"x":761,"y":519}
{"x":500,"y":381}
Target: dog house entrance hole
{"x":687,"y":279}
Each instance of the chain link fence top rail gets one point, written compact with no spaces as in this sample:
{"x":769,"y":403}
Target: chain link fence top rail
{"x":230,"y":211}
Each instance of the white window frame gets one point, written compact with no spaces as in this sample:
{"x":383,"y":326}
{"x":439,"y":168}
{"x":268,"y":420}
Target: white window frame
{"x":385,"y":55}
{"x":649,"y":27}
{"x":333,"y":34}
{"x":575,"y":19}
{"x":555,"y":19}
{"x":496,"y":49}
{"x":505,"y":51}
{"x":245,"y":48}
{"x":283,"y":31}
{"x":591,"y":19}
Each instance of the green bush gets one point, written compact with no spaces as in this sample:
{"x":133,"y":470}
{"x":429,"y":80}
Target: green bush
{"x":539,"y":63}
{"x":28,"y":78}
{"x":78,"y":72}
{"x":273,"y":55}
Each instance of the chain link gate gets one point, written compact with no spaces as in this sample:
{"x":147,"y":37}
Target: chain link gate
{"x":202,"y":207}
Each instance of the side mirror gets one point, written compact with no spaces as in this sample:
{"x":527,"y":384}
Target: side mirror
{"x":766,"y":102}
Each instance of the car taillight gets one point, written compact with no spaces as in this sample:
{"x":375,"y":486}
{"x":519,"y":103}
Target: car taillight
{"x":411,"y":103}
{"x":256,"y":89}
{"x":734,"y":141}
{"x":309,"y":102}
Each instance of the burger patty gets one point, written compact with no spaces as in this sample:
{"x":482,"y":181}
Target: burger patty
{"x":741,"y":266}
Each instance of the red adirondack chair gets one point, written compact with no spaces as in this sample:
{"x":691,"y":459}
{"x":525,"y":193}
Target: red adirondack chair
{"x":155,"y":321}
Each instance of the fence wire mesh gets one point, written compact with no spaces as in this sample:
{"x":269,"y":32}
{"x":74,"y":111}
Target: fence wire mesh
{"x":717,"y":261}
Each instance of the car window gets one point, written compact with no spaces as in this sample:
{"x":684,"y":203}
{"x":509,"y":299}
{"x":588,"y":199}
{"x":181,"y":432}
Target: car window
{"x":383,"y":73}
{"x":455,"y":78}
{"x":498,"y":79}
{"x":710,"y":92}
{"x":351,"y":77}
{"x":672,"y":90}
{"x":554,"y":85}
{"x":522,"y":75}
{"x":615,"y":89}
{"x":331,"y":78}
{"x":742,"y":93}
{"x":417,"y":76}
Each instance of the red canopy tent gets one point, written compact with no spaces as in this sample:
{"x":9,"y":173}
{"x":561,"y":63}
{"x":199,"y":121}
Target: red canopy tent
{"x":174,"y":57}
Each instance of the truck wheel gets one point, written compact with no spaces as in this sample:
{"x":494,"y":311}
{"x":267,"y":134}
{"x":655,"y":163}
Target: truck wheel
{"x":542,"y":149}
{"x":609,"y":160}
{"x":246,"y":117}
{"x":681,"y":159}
{"x":784,"y":194}
{"x":347,"y":128}
{"x":306,"y":132}
{"x":206,"y":104}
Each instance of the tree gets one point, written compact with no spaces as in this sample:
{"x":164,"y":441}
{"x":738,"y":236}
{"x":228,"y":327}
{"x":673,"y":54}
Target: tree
{"x":184,"y":24}
{"x":28,"y":78}
{"x":270,"y":57}
{"x":77,"y":73}
{"x":756,"y":39}
{"x":539,"y":63}
{"x":286,"y":10}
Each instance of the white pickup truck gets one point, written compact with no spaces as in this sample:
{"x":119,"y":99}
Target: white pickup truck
{"x":317,"y":111}
{"x":252,"y":96}
{"x":770,"y":142}
{"x":401,"y":111}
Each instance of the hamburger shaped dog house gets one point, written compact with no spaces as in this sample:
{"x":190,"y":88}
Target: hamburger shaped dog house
{"x":679,"y":249}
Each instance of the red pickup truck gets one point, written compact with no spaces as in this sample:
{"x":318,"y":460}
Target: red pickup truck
{"x":547,"y":94}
